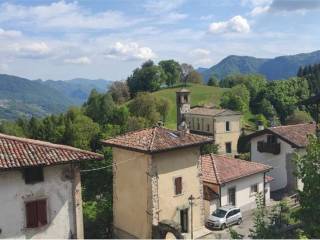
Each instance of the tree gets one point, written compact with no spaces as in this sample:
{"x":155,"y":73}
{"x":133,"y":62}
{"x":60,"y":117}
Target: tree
{"x":285,"y":94}
{"x":145,"y":105}
{"x":209,"y":148}
{"x":213,"y":81}
{"x":119,"y":91}
{"x":186,"y":69}
{"x":194,"y":77}
{"x":148,"y":78}
{"x":172,"y":71}
{"x":299,"y":116}
{"x":236,"y":99}
{"x":260,"y":223}
{"x":100,"y":107}
{"x":163,"y":106}
{"x":308,"y":170}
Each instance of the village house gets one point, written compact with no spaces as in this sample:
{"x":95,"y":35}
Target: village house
{"x":40,"y":189}
{"x":156,"y":174}
{"x":231,"y":181}
{"x":222,"y":124}
{"x":277,"y":146}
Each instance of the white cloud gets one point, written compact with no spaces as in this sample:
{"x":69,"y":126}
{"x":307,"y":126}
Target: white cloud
{"x":62,"y":15}
{"x":4,"y":67}
{"x":236,"y":24}
{"x":259,"y":10}
{"x":129,"y":51}
{"x":80,"y":60}
{"x":201,"y":57}
{"x":31,"y":50}
{"x":9,"y":33}
{"x":200,"y":52}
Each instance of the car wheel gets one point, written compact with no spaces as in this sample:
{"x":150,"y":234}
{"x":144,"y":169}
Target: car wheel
{"x":223,"y":226}
{"x":239,"y":221}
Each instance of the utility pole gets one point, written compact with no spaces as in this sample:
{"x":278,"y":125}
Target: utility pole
{"x":191,"y":198}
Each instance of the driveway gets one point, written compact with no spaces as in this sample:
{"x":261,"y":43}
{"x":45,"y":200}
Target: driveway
{"x":242,"y":229}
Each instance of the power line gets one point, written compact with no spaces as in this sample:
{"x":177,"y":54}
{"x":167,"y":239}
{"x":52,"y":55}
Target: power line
{"x":108,"y":166}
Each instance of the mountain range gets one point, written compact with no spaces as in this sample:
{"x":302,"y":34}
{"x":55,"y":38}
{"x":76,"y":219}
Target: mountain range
{"x":281,"y":67}
{"x":21,"y":97}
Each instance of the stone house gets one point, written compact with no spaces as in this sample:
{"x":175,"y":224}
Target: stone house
{"x":156,"y":171}
{"x":231,"y":181}
{"x":276,"y":146}
{"x":223,"y":125}
{"x":40,"y":189}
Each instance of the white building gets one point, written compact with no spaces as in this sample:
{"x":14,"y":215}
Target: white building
{"x":40,"y":189}
{"x":276,"y":147}
{"x":231,"y":181}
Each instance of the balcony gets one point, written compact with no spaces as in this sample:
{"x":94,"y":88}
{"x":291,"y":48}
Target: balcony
{"x":266,"y":147}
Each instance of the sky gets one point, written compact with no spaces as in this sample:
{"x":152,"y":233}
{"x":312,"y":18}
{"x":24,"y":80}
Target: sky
{"x":108,"y":39}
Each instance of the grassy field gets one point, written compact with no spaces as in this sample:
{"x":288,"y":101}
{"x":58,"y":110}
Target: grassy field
{"x":200,"y":94}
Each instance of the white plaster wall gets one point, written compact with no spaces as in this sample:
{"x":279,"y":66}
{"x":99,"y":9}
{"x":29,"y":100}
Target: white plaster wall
{"x":267,"y":193}
{"x":278,"y":162}
{"x":244,"y":199}
{"x":14,"y":192}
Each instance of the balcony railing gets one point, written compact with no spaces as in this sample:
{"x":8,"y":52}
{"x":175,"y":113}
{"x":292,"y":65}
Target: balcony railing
{"x":266,"y":147}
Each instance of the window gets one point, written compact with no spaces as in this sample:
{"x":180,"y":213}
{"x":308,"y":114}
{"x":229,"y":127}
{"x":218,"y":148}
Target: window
{"x":178,"y":185}
{"x":36,"y":213}
{"x":254,"y":189}
{"x":228,"y":147}
{"x":208,"y":128}
{"x":33,"y":175}
{"x":192,"y":123}
{"x":198,"y":126}
{"x":227,"y":126}
{"x":271,"y":139}
{"x":232,"y":196}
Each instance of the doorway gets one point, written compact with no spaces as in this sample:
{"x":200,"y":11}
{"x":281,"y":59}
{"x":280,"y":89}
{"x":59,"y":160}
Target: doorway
{"x":184,"y":220}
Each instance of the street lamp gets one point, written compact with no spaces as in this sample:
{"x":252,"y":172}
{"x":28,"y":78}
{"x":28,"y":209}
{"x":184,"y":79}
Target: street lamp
{"x":191,"y":198}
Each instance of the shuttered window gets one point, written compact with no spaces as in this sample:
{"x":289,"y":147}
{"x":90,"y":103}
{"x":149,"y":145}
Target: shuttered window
{"x":36,"y":213}
{"x":178,"y":185}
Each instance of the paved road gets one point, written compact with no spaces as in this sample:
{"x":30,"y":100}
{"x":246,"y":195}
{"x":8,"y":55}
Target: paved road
{"x":242,"y":229}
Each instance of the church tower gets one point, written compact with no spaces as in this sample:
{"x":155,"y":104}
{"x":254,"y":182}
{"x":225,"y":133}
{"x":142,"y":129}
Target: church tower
{"x":183,"y":101}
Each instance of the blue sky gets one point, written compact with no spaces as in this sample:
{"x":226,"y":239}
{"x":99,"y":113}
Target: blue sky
{"x":109,"y":38}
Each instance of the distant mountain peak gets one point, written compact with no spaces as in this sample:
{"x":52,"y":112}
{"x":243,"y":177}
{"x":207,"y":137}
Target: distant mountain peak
{"x":280,"y":67}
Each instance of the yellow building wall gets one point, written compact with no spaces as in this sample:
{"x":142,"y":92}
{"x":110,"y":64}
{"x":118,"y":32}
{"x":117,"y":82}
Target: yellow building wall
{"x":179,"y":163}
{"x":221,"y":136}
{"x":216,"y":126}
{"x":131,"y":194}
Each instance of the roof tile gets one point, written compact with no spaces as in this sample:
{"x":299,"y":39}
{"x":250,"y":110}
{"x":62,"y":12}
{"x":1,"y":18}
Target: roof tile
{"x":16,"y":152}
{"x":219,"y":169}
{"x":156,"y":139}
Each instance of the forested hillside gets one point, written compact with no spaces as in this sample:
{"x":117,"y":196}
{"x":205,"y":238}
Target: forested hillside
{"x":281,"y":67}
{"x":21,"y":97}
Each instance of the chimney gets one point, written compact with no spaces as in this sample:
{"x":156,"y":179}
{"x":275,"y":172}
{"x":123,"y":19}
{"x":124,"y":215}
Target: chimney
{"x":260,"y":126}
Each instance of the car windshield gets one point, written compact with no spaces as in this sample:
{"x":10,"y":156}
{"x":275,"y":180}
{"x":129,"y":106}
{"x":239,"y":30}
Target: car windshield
{"x":219,"y":213}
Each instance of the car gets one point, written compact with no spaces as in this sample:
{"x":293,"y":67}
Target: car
{"x":223,"y":217}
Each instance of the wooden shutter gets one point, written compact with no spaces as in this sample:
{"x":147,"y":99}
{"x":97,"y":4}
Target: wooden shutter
{"x":42,"y":212}
{"x":31,"y":214}
{"x":36,"y":213}
{"x":178,"y":185}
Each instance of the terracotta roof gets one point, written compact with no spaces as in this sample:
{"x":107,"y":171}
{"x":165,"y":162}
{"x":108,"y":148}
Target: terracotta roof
{"x":17,"y":152}
{"x":156,"y":139}
{"x":218,"y":169}
{"x":209,"y":111}
{"x":296,"y":135}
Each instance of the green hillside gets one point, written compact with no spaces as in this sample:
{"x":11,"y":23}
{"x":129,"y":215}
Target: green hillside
{"x":200,"y":94}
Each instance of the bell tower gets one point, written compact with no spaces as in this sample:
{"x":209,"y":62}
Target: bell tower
{"x":183,"y":101}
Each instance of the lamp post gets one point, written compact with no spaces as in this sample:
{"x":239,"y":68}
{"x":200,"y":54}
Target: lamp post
{"x":191,"y":198}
